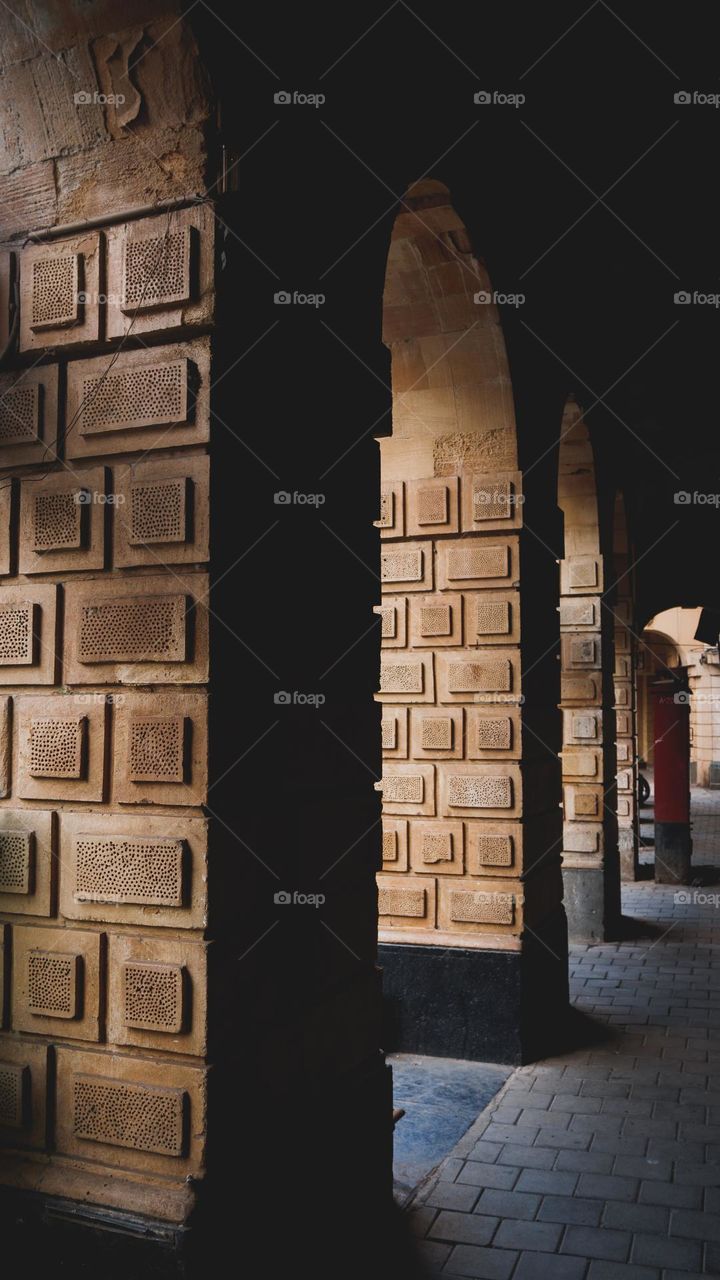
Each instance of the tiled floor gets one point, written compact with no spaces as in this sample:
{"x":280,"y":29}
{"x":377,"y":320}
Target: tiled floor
{"x":604,"y":1164}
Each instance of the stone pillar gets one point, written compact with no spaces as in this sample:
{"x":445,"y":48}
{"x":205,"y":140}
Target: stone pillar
{"x":471,"y":922}
{"x":590,"y":860}
{"x":673,"y":843}
{"x":621,"y":604}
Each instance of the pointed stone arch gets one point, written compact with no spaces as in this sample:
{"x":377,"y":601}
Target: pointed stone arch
{"x":590,"y":858}
{"x":470,"y":892}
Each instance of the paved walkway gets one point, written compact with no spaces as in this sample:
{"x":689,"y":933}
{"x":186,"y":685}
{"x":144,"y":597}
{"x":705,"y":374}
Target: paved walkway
{"x":604,"y":1164}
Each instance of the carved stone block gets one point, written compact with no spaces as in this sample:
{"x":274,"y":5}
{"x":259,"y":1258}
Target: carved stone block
{"x":157,"y":993}
{"x":60,"y":292}
{"x":134,"y":869}
{"x":56,"y":982}
{"x":161,"y":515}
{"x":62,"y":521}
{"x":477,"y":562}
{"x":61,"y":747}
{"x":161,"y":272}
{"x":406,"y":902}
{"x":29,"y":416}
{"x":139,"y":400}
{"x":137,"y":630}
{"x":28,"y":634}
{"x":160,"y":748}
{"x":28,"y":861}
{"x":145,"y":1115}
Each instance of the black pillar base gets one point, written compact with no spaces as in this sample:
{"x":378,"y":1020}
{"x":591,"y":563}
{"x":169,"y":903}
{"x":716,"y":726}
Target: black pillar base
{"x":593,"y":912}
{"x":485,"y":1006}
{"x":673,"y":852}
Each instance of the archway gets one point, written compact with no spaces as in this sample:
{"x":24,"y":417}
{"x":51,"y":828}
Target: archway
{"x":590,"y":861}
{"x":470,"y":892}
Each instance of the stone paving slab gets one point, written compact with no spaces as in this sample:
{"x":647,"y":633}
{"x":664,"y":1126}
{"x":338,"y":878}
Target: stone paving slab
{"x":604,"y":1164}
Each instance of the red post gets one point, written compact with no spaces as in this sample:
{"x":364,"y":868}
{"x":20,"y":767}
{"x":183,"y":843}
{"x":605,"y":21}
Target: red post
{"x":673,"y":844}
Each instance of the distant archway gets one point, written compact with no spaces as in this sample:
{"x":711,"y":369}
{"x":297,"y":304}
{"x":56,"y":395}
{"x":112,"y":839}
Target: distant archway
{"x":590,"y":859}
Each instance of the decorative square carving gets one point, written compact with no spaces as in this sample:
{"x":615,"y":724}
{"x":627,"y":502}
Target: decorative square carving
{"x":581,"y":575}
{"x":57,"y":747}
{"x":160,"y":748}
{"x":476,"y":562}
{"x":394,"y":733}
{"x":153,"y":1111}
{"x":61,"y":747}
{"x":408,"y":788}
{"x":60,"y":293}
{"x":157,"y":748}
{"x":28,"y":634}
{"x":394,"y":844}
{"x":152,"y":996}
{"x":436,"y":733}
{"x":62,"y":521}
{"x":161,"y":272}
{"x":579,"y":652}
{"x":491,"y":849}
{"x":393,"y":622}
{"x":491,"y":501}
{"x":406,"y":677}
{"x":492,"y":731}
{"x":148,"y":399}
{"x":140,"y":630}
{"x":582,"y":727}
{"x":406,"y":902}
{"x":435,"y":621}
{"x":23,"y":1092}
{"x":489,"y":789}
{"x":29,"y":416}
{"x":28,"y":861}
{"x":56,"y":981}
{"x":157,"y":993}
{"x":133,"y":869}
{"x":436,"y":848}
{"x":492,"y":617}
{"x":53,"y":984}
{"x":432,"y":506}
{"x":157,"y":269}
{"x":53,"y":293}
{"x":582,"y":802}
{"x":407,"y":566}
{"x":391,"y":521}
